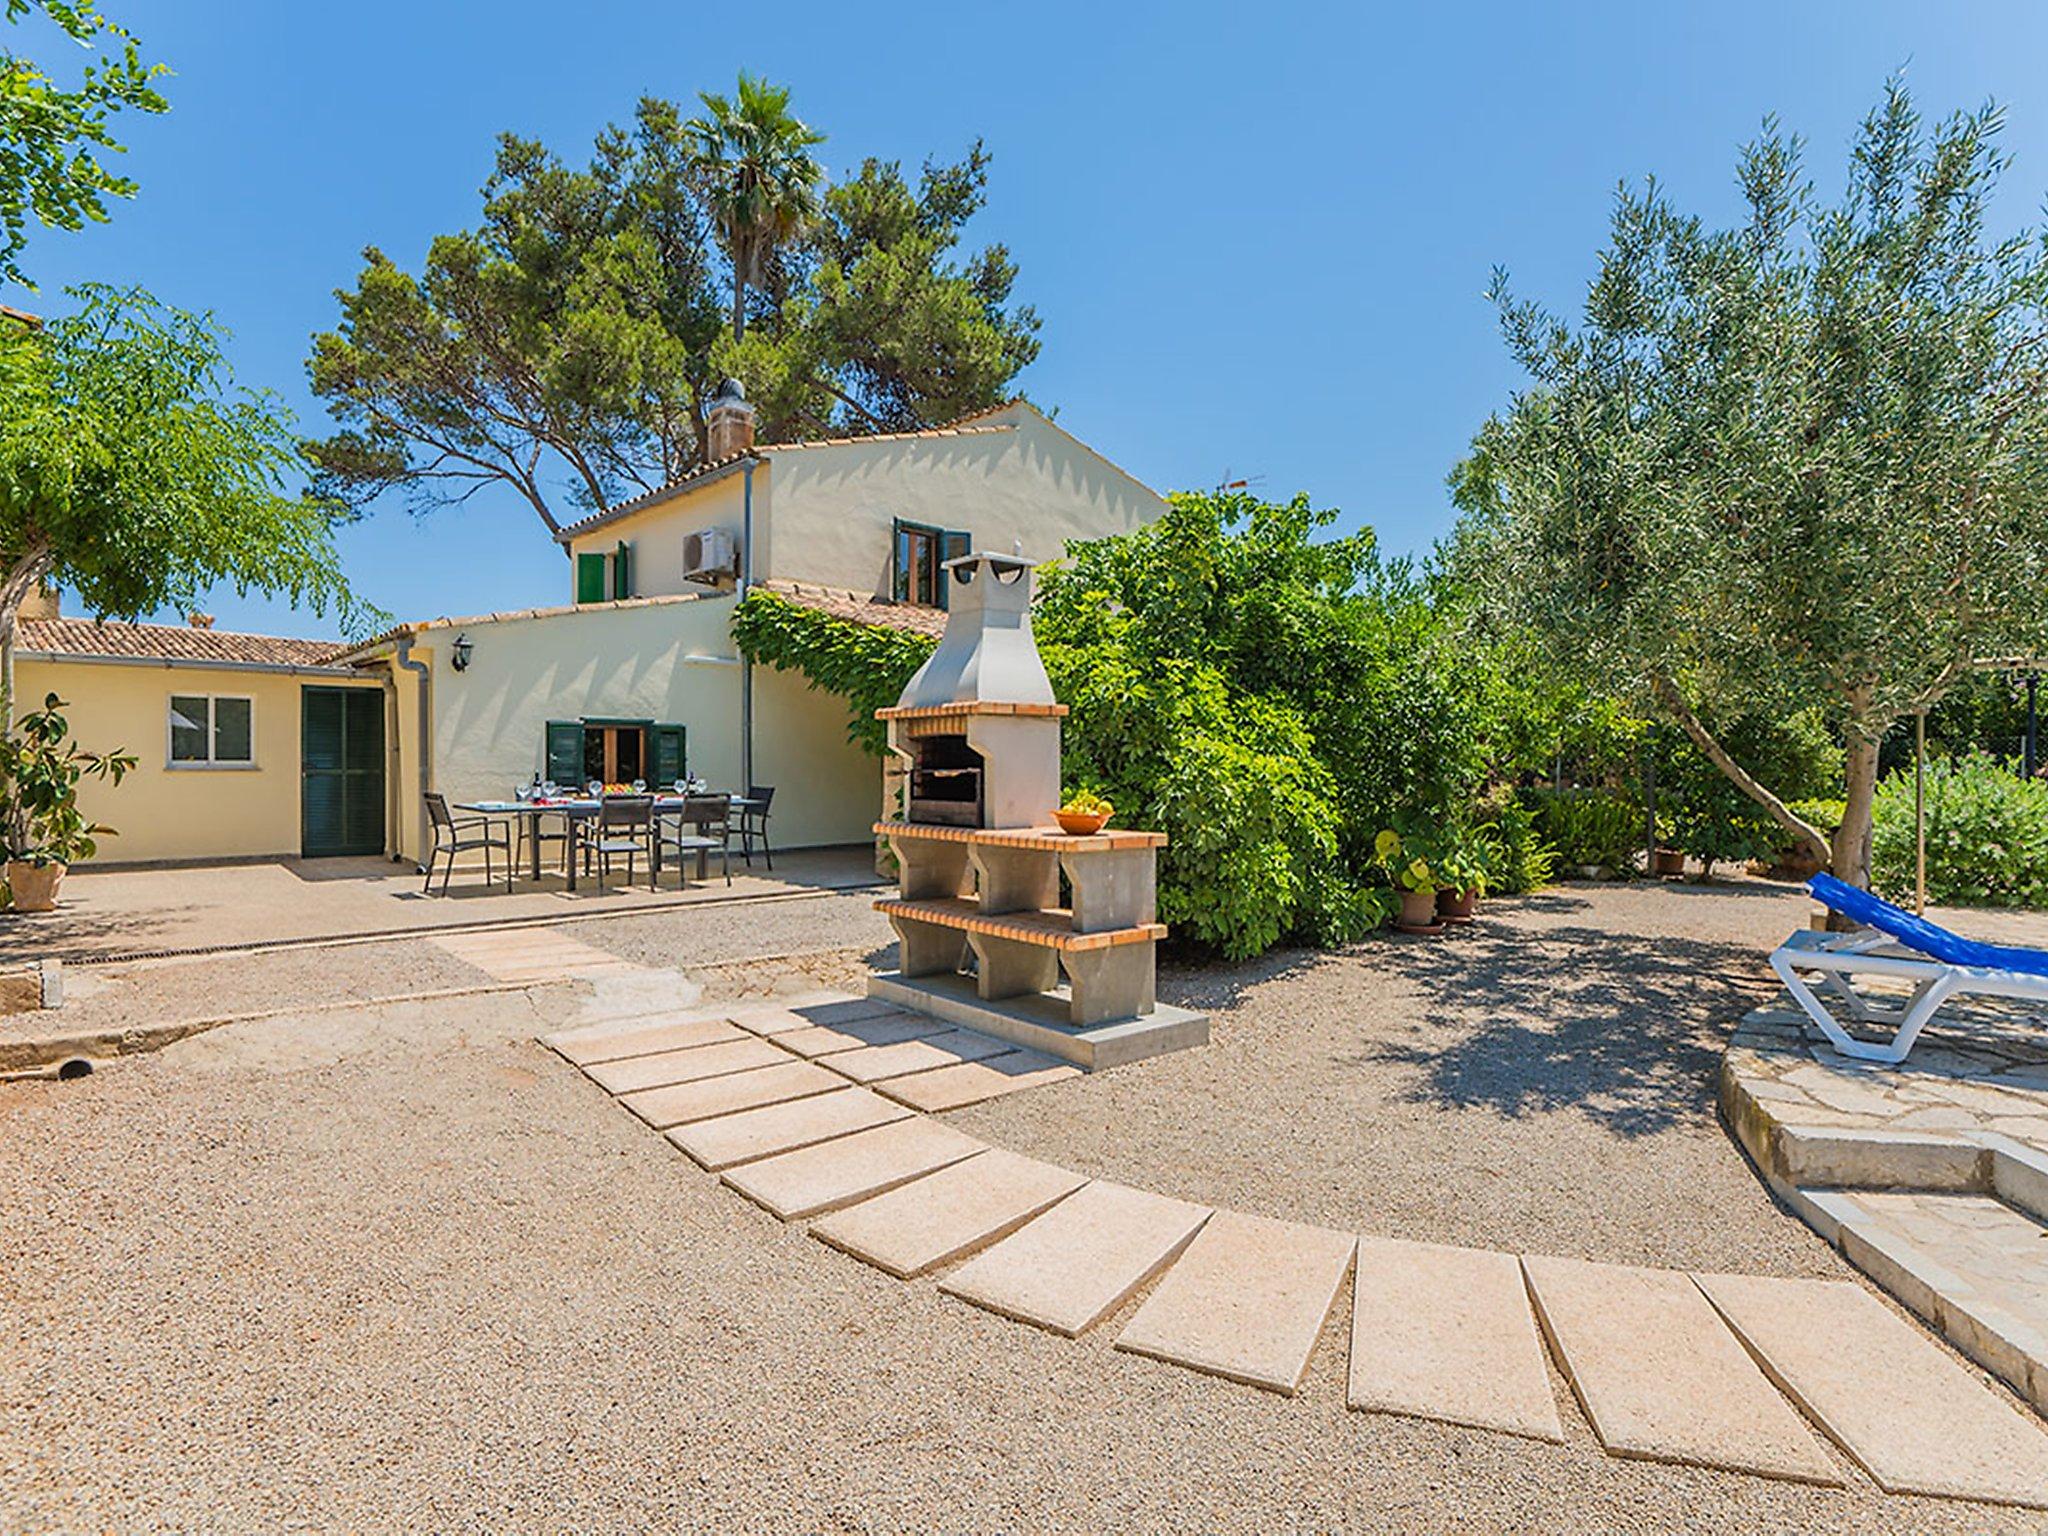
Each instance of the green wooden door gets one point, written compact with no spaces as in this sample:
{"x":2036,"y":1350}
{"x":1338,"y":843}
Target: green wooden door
{"x":341,"y":771}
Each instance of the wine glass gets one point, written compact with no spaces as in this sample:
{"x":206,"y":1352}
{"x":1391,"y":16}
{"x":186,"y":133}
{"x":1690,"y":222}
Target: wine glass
{"x":639,"y":786}
{"x":595,"y":788}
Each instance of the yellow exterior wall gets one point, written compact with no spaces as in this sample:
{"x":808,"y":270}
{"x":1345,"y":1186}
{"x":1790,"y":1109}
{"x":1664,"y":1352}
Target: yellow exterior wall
{"x":166,"y":813}
{"x":672,"y":663}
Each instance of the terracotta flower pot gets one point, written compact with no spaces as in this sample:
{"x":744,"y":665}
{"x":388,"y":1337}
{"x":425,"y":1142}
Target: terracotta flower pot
{"x":1457,"y":906}
{"x":1082,"y":823}
{"x":1418,"y":913}
{"x":34,"y":885}
{"x":1667,"y":861}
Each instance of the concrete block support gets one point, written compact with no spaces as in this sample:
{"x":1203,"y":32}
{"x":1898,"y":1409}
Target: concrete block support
{"x":1014,"y":879}
{"x":1010,"y":969}
{"x":931,"y":871}
{"x":927,"y":949}
{"x":1113,"y":890}
{"x":1115,"y":983}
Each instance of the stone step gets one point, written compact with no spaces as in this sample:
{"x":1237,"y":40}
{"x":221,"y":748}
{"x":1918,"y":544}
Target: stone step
{"x":1081,"y":1260}
{"x":684,"y":1102}
{"x":972,"y":1081}
{"x":948,"y":1214}
{"x":689,"y":1065}
{"x":729,"y":1140}
{"x":880,"y":1029}
{"x":949,"y":1048}
{"x":1907,"y":1413}
{"x":596,"y":1043}
{"x":838,"y":1173}
{"x":530,"y":954}
{"x":1660,"y":1375}
{"x":1246,"y":1301}
{"x":1446,"y":1333}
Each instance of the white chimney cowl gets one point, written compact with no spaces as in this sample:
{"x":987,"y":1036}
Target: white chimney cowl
{"x":987,"y":654}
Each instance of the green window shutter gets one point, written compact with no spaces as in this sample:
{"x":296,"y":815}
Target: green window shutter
{"x":565,"y":751}
{"x":900,"y":583}
{"x":590,"y":578}
{"x":667,"y":750}
{"x":953,"y":543}
{"x":622,"y":570}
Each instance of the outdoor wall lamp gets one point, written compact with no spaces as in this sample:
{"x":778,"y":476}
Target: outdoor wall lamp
{"x":459,"y":652}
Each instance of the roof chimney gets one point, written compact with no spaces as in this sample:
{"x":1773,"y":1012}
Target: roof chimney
{"x":199,"y":620}
{"x":730,"y":426}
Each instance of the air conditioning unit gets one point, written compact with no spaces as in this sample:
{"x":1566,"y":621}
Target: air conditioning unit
{"x":710,"y":556}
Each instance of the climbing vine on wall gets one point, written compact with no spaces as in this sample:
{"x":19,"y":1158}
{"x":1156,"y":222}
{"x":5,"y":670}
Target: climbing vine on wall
{"x":865,"y":665}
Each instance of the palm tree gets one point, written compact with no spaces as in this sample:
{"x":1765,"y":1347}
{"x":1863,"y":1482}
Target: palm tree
{"x":753,"y":160}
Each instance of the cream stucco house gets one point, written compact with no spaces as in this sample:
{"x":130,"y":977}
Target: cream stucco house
{"x":253,"y":745}
{"x":637,"y":675}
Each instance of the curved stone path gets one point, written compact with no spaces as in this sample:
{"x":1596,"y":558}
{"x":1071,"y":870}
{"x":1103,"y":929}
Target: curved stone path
{"x":819,"y":1109}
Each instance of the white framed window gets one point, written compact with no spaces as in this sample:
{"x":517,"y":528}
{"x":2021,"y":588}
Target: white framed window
{"x":210,"y":730}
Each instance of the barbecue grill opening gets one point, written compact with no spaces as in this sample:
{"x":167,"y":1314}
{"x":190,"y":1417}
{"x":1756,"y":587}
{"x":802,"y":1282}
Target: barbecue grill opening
{"x":946,"y":783}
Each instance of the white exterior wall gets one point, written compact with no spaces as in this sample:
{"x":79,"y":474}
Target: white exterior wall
{"x":672,"y":663}
{"x":657,"y":535}
{"x":1026,"y":483}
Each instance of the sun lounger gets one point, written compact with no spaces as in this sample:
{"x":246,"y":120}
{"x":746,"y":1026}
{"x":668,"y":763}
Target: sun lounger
{"x":1894,"y":943}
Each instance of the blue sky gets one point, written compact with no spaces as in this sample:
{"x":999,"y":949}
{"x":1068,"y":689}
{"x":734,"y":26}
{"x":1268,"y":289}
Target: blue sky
{"x":1258,"y":235}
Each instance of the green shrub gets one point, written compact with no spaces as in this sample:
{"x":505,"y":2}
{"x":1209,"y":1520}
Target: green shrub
{"x":1526,"y":861}
{"x":1987,"y":835}
{"x":1590,"y":826}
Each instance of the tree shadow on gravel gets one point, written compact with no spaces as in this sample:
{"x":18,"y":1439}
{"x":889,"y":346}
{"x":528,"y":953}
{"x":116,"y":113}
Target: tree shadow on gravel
{"x":1624,"y":1029}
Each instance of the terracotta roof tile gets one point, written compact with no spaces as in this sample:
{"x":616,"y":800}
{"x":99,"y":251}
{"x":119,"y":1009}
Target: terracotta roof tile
{"x":860,"y":607}
{"x":169,"y":642}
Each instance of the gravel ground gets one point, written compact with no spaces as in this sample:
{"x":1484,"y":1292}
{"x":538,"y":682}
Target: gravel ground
{"x":218,"y":986}
{"x":1542,"y":1081}
{"x":399,"y":1268}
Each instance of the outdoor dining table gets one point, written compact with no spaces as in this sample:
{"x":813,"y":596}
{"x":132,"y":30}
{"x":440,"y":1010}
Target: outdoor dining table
{"x":575,"y":810}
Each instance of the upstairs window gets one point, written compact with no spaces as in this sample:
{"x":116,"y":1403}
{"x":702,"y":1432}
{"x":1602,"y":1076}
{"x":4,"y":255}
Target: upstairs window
{"x":208,"y":730}
{"x":602,"y":577}
{"x":921,"y":553}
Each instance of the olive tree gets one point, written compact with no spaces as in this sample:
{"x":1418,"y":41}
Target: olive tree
{"x":1798,"y":463}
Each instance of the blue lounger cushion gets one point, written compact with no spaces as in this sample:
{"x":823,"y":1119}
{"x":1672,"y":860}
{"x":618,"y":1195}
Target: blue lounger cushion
{"x":1917,"y":933}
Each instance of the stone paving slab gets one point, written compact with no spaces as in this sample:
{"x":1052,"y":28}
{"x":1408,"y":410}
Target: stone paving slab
{"x":1081,"y":1260}
{"x":689,"y":1065}
{"x":1246,"y":1301}
{"x":1446,"y":1333}
{"x":683,"y":1102}
{"x":837,"y":1173}
{"x":531,"y":954}
{"x":881,"y":1029}
{"x":946,"y":1049}
{"x":729,"y":1140}
{"x":972,"y":1081}
{"x":642,"y":1037}
{"x":1662,"y":1377}
{"x":1908,"y":1414}
{"x":948,"y":1214}
{"x":814,"y":1010}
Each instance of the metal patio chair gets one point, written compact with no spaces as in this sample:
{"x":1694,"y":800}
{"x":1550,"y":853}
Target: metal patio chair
{"x":711,"y":816}
{"x":625,"y":825}
{"x":754,"y":824}
{"x":463,"y":834}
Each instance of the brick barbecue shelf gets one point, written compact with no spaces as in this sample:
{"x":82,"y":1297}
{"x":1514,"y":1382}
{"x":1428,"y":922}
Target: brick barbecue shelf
{"x":1052,"y":927}
{"x":970,"y":707}
{"x":1042,"y":839}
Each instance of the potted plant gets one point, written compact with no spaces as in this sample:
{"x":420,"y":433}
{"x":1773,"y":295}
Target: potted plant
{"x":1406,"y":861}
{"x":1466,"y":865}
{"x":1084,"y":814}
{"x":40,"y":770}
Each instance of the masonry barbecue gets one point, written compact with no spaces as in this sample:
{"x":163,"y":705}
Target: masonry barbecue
{"x":982,"y":937}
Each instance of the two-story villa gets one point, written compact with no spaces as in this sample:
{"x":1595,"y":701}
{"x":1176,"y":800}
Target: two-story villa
{"x":639,"y":677}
